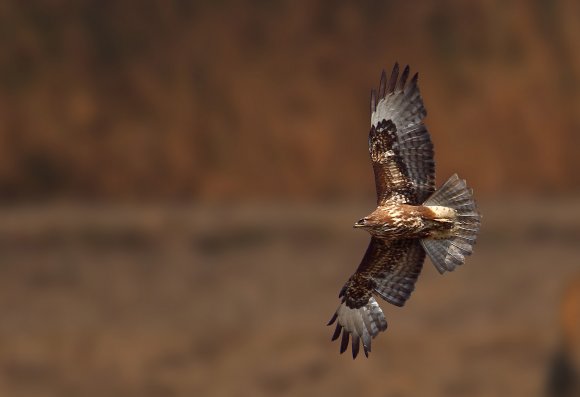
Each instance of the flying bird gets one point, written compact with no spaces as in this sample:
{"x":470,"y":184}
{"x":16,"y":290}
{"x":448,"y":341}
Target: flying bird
{"x":411,"y":219}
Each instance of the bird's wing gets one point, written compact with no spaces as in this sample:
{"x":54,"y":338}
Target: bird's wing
{"x":389,"y":269}
{"x":399,"y":143}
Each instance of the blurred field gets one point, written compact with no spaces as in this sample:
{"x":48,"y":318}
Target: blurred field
{"x":232,"y":301}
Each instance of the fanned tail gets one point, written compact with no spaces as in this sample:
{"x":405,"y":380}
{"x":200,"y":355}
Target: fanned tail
{"x":446,"y":254}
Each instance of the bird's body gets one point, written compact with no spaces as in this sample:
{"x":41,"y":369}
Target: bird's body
{"x":394,"y":220}
{"x":411,"y":219}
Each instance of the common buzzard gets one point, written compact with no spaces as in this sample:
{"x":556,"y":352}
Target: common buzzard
{"x":411,"y":218}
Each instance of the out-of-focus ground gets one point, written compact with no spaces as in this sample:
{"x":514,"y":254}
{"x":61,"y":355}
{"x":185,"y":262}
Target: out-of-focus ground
{"x":233,"y":301}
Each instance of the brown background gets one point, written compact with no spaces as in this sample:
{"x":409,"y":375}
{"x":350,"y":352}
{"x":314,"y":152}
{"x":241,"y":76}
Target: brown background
{"x":232,"y":100}
{"x":178,"y":181}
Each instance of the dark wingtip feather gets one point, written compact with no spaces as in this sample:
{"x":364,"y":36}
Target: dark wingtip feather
{"x":333,"y":319}
{"x":382,"y":85}
{"x":393,"y":78}
{"x":336,"y":332}
{"x":373,"y":101}
{"x":355,"y":346}
{"x":415,"y":78}
{"x":344,"y":342}
{"x":403,"y":78}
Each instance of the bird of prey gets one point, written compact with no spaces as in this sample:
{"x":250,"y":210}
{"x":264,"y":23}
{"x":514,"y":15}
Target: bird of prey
{"x":411,"y":218}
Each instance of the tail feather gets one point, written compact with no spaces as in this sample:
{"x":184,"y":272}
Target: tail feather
{"x":447,"y":254}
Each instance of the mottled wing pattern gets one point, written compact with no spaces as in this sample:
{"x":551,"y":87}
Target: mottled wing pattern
{"x":399,"y":143}
{"x":396,"y":282}
{"x":390,"y":269}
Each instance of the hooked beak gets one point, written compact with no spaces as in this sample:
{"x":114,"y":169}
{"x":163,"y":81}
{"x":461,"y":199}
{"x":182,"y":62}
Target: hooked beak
{"x":359,"y":223}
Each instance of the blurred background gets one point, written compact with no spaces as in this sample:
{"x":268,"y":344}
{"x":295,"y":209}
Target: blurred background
{"x":179,"y":180}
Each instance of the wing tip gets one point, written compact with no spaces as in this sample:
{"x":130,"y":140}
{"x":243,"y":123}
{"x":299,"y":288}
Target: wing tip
{"x":355,"y":346}
{"x":373,"y":101}
{"x":332,"y":319}
{"x":393,"y":79}
{"x":404,"y":78}
{"x":336,"y":332}
{"x":358,"y":326}
{"x":344,"y":341}
{"x":383,"y":84}
{"x":394,"y":83}
{"x":415,"y":78}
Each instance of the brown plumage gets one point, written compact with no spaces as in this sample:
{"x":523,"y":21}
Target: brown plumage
{"x":411,"y":218}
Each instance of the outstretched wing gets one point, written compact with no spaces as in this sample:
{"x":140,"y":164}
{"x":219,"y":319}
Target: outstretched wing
{"x":399,"y":143}
{"x":389,"y":269}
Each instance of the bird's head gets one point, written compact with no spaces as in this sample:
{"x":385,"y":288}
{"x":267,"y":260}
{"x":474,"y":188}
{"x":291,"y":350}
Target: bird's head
{"x":363,"y":223}
{"x":374,"y":222}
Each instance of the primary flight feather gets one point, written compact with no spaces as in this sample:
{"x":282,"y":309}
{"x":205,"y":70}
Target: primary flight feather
{"x":411,"y":218}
